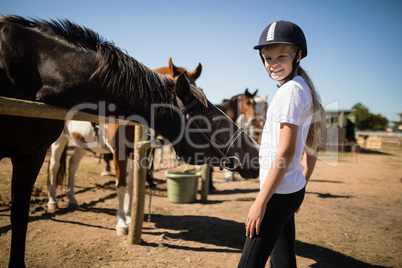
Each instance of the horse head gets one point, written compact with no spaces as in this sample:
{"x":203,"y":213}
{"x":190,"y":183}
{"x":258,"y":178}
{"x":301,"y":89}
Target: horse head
{"x":246,"y":104}
{"x":207,"y":135}
{"x":173,"y":71}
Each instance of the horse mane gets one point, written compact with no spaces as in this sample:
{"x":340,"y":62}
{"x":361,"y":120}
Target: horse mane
{"x":120,"y":74}
{"x":232,"y":99}
{"x":74,"y":34}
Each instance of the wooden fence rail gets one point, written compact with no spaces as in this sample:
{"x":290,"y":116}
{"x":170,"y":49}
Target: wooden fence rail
{"x":25,"y":108}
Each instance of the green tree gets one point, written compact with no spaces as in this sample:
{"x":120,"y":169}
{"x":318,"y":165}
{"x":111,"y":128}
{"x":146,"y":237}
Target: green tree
{"x":397,"y":123}
{"x":368,"y":121}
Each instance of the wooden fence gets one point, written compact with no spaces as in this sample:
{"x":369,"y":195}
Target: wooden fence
{"x":25,"y":108}
{"x":379,"y":141}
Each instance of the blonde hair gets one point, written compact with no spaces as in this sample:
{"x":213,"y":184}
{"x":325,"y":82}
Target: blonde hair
{"x":315,"y":136}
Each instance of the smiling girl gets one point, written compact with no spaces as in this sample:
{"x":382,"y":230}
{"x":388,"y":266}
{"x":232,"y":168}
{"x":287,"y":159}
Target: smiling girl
{"x":293,"y":125}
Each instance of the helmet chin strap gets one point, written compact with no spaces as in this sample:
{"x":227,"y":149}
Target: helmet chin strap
{"x":295,"y":65}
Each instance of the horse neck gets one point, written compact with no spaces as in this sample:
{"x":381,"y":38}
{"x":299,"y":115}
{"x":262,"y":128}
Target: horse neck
{"x":133,"y":84}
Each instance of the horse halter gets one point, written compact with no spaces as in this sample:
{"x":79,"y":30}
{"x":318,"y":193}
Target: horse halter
{"x":223,"y":153}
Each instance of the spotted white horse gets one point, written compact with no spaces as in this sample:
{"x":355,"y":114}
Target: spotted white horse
{"x":85,"y":136}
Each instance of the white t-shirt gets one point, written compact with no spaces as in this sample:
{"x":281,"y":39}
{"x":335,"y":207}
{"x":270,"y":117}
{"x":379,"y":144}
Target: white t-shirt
{"x":292,"y":104}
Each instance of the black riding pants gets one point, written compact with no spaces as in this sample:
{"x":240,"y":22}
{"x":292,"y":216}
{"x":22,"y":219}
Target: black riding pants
{"x":277,"y":234}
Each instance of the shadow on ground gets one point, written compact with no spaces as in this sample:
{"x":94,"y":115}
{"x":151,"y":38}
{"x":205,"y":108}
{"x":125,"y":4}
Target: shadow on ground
{"x":327,"y":258}
{"x":229,"y":237}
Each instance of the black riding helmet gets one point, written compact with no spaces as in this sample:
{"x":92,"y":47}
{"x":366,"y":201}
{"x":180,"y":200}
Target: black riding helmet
{"x":284,"y":32}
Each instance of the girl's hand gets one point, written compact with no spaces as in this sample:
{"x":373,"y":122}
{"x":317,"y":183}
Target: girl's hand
{"x":254,"y":219}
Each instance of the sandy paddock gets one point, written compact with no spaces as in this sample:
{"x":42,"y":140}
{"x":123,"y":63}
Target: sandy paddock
{"x":351,"y":217}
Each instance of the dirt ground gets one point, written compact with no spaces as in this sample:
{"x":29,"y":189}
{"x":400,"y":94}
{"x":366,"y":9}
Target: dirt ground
{"x":351,"y":217}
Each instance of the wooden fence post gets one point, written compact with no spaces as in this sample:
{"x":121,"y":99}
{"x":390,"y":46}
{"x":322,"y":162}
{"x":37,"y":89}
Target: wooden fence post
{"x":205,"y":176}
{"x":137,"y":212}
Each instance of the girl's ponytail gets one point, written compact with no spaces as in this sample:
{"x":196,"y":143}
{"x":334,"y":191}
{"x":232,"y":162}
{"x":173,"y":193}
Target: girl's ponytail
{"x":315,"y":136}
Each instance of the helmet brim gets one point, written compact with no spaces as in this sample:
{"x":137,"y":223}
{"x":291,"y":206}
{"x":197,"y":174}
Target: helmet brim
{"x":260,"y":46}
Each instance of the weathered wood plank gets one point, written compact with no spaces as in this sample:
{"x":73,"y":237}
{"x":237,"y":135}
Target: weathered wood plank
{"x":25,"y":108}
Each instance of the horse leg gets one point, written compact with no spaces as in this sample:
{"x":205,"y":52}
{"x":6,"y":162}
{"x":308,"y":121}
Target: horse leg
{"x":107,"y":158}
{"x":56,"y":150}
{"x":25,"y":171}
{"x":128,"y":199}
{"x":74,"y":162}
{"x":121,"y":190}
{"x":150,"y":167}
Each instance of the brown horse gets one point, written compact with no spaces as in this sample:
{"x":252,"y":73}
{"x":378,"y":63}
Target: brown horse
{"x":246,"y":112}
{"x":114,"y":131}
{"x":73,"y":67}
{"x":239,"y":104}
{"x":108,"y":138}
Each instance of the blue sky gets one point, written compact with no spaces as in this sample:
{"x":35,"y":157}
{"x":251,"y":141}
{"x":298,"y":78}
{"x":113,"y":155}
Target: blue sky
{"x":353,"y":46}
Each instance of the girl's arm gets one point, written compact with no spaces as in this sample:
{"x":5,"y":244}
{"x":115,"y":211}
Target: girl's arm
{"x":309,"y":161}
{"x":284,"y":155}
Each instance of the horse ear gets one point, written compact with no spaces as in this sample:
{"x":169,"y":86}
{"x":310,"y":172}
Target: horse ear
{"x":196,"y":73}
{"x":255,"y":93}
{"x":183,"y":87}
{"x":173,"y":69}
{"x":246,"y":92}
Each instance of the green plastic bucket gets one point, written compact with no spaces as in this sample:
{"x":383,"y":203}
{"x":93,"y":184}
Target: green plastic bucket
{"x":182,"y":186}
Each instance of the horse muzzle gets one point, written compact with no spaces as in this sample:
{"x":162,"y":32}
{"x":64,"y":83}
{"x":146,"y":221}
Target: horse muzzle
{"x":230,"y":163}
